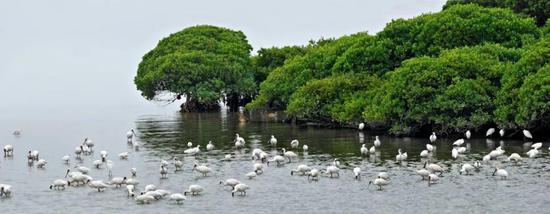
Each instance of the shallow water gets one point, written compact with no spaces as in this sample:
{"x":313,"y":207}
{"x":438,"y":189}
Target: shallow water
{"x":163,"y":136}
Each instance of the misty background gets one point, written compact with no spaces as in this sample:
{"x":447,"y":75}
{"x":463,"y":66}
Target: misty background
{"x":68,"y":63}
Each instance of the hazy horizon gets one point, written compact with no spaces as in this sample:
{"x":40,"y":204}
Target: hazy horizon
{"x":67,"y":58}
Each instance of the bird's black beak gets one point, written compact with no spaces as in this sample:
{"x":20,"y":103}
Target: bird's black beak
{"x":494,"y":172}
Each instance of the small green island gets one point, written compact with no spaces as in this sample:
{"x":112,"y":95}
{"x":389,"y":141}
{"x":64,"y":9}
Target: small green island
{"x":474,"y":65}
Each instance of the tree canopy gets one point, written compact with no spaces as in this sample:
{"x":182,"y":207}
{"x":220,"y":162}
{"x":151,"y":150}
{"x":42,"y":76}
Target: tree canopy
{"x":538,"y":9}
{"x":202,"y":63}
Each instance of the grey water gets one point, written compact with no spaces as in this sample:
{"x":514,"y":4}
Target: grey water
{"x":164,"y":135}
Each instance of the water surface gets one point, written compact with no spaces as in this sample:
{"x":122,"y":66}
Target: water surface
{"x":164,"y":136}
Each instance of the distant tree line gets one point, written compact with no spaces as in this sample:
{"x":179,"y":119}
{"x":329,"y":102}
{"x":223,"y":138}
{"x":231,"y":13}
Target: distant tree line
{"x":474,"y":64}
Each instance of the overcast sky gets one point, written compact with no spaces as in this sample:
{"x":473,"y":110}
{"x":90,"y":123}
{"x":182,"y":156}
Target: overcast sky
{"x":71,"y":57}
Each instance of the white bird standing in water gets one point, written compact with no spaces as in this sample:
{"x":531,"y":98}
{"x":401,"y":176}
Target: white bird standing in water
{"x":532,"y":153}
{"x":209,"y":146}
{"x":430,"y":147}
{"x":400,"y":156}
{"x":361,"y":126}
{"x":501,"y":132}
{"x":41,"y":163}
{"x":230,"y":182}
{"x":424,"y":153}
{"x":372,"y":150}
{"x":194,"y":190}
{"x":305,"y":148}
{"x":433,"y":137}
{"x":424,"y":173}
{"x":357,"y":173}
{"x":527,"y":134}
{"x":193,"y":151}
{"x":189,"y":144}
{"x":503,"y":174}
{"x":294,"y":143}
{"x":454,"y":153}
{"x":466,"y":169}
{"x":177,"y":197}
{"x":537,"y":145}
{"x":240,"y":188}
{"x":364,"y":150}
{"x":432,"y":178}
{"x":273,"y":140}
{"x":163,"y":171}
{"x":130,"y":134}
{"x":377,"y":141}
{"x":8,"y":150}
{"x":66,"y":159}
{"x":515,"y":157}
{"x":468,"y":134}
{"x":490,"y":132}
{"x":458,"y":142}
{"x":289,"y":154}
{"x":379,"y":182}
{"x":203,"y":169}
{"x":133,"y":171}
{"x":123,"y":155}
{"x":5,"y":190}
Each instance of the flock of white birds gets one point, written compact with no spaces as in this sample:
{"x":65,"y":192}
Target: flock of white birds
{"x":79,"y":174}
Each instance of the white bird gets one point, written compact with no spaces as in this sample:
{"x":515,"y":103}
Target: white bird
{"x":331,"y":170}
{"x":97,"y":163}
{"x":289,"y":154}
{"x":503,"y":174}
{"x":305,"y":148}
{"x":313,"y":174}
{"x":8,"y":150}
{"x":251,"y":175}
{"x":118,"y":181}
{"x":364,"y":150}
{"x":66,"y":159}
{"x":433,"y":168}
{"x":59,"y":183}
{"x":130,"y":189}
{"x":177,"y":197}
{"x":278,"y":159}
{"x":302,"y":168}
{"x":5,"y":190}
{"x":41,"y":163}
{"x":78,"y":151}
{"x":372,"y":150}
{"x":361,"y":126}
{"x":89,"y":143}
{"x":103,"y":155}
{"x":189,"y":144}
{"x":227,"y":157}
{"x":379,"y":182}
{"x":468,"y":134}
{"x":458,"y":142}
{"x":178,"y":164}
{"x":204,"y":170}
{"x":209,"y":146}
{"x":384,"y":175}
{"x":294,"y":143}
{"x":501,"y":132}
{"x":123,"y":155}
{"x":424,"y":173}
{"x":532,"y":153}
{"x":536,"y":145}
{"x":377,"y":141}
{"x":527,"y":134}
{"x":433,"y":137}
{"x":490,"y":132}
{"x":192,"y":151}
{"x":515,"y":157}
{"x":230,"y":182}
{"x":477,"y":165}
{"x":336,"y":162}
{"x":357,"y":173}
{"x":466,"y":168}
{"x":35,"y":154}
{"x":273,"y":140}
{"x":487,"y":158}
{"x":258,"y":168}
{"x":194,"y":190}
{"x":432,"y":178}
{"x":163,"y":193}
{"x":430,"y":147}
{"x":130,"y":134}
{"x":454,"y":153}
{"x":240,"y":188}
{"x":99,"y":185}
{"x":239,"y":141}
{"x":133,"y":171}
{"x":164,"y":163}
{"x":400,"y":156}
{"x":461,"y":149}
{"x":424,"y":153}
{"x":163,"y":171}
{"x":144,"y":199}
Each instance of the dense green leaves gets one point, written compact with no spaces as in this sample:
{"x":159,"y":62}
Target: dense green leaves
{"x":203,"y":63}
{"x":539,"y":9}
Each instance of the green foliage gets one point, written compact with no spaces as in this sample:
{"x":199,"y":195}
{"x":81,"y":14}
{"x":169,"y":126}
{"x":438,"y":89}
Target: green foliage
{"x":534,"y":58}
{"x":202,"y":63}
{"x":538,"y":9}
{"x":271,"y":58}
{"x":339,"y":98}
{"x":448,"y":93}
{"x":534,"y":100}
{"x":317,"y":63}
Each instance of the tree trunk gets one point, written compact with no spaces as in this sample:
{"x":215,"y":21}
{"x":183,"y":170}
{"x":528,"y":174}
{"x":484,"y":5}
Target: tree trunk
{"x":192,"y":105}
